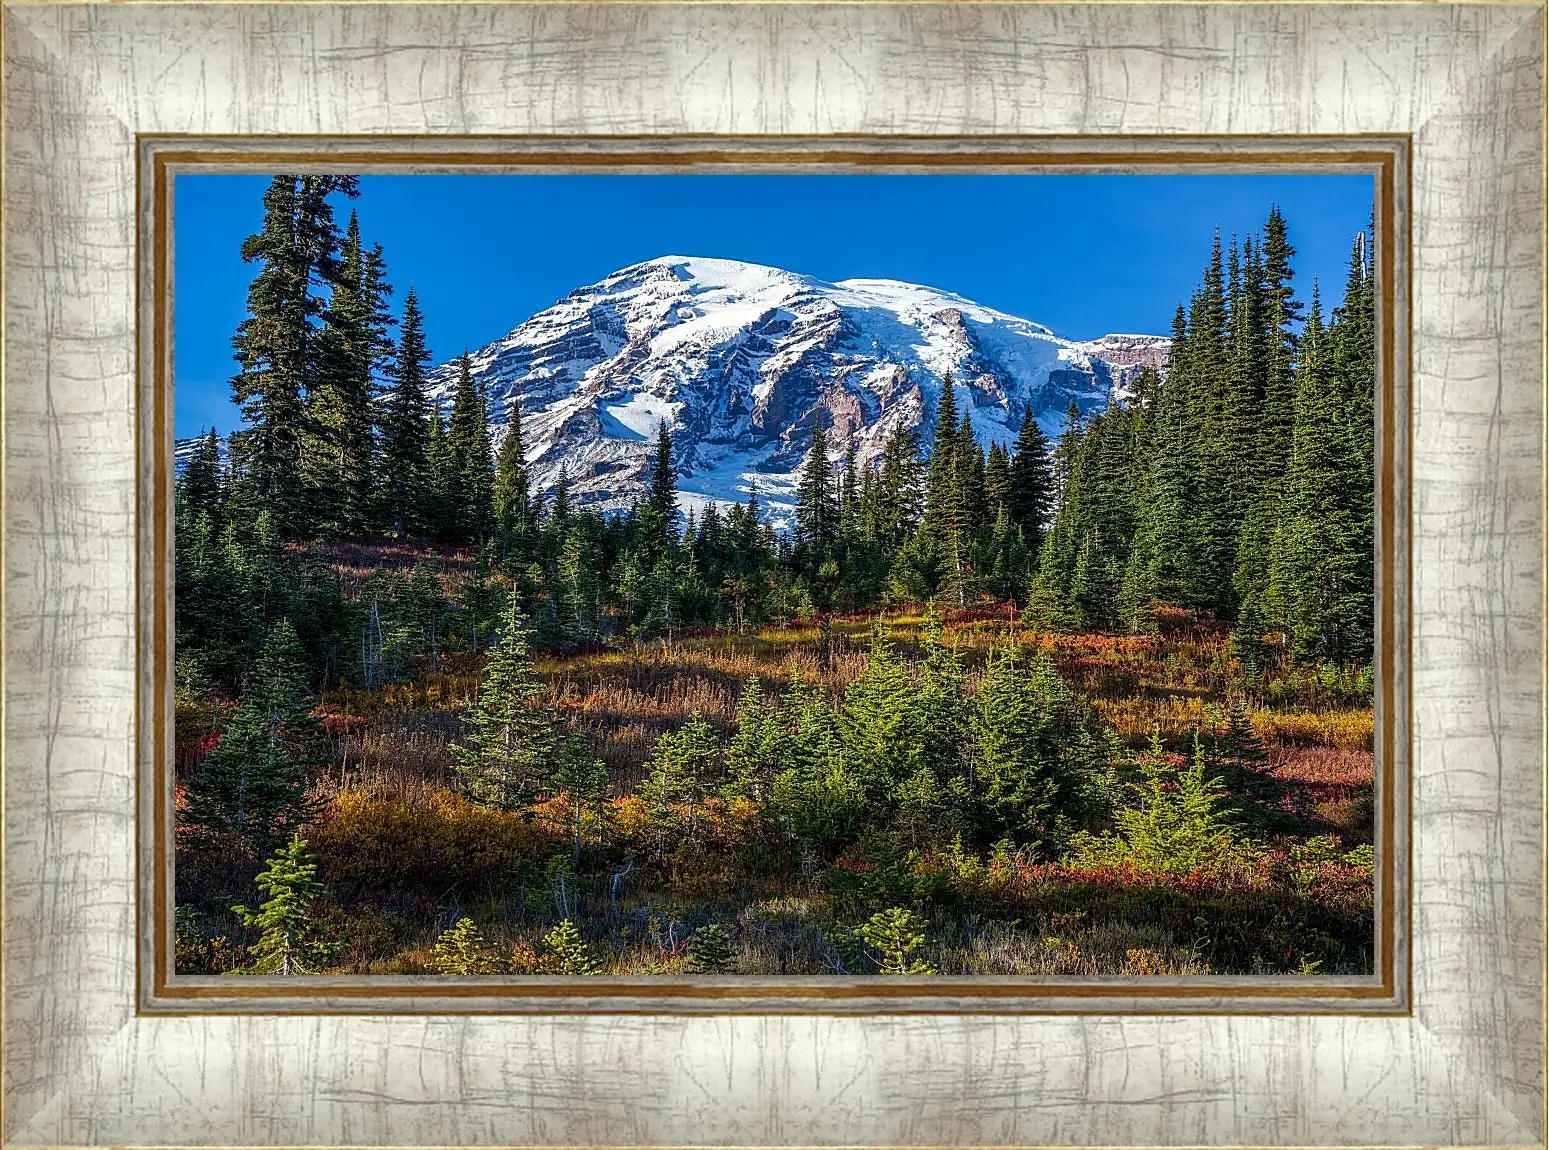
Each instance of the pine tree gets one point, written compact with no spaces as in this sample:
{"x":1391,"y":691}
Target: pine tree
{"x":816,"y":514}
{"x":1011,"y":727}
{"x":252,"y":786}
{"x":292,"y":941}
{"x":511,"y":495}
{"x":711,"y":951}
{"x":405,"y":423}
{"x":470,"y":476}
{"x":462,"y":950}
{"x":663,"y":497}
{"x":565,"y":952}
{"x":274,"y":349}
{"x":895,"y":935}
{"x":506,"y":753}
{"x":580,"y":782}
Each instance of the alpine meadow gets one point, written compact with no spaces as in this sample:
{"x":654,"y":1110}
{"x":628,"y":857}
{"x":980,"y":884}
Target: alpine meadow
{"x":722,"y":619}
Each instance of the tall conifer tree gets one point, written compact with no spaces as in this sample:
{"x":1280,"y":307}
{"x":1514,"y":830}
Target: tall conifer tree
{"x":470,"y":478}
{"x":405,"y":427}
{"x":511,"y":495}
{"x":816,"y":511}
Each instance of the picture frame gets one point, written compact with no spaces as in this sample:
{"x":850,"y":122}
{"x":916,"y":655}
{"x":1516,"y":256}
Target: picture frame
{"x":96,"y":1051}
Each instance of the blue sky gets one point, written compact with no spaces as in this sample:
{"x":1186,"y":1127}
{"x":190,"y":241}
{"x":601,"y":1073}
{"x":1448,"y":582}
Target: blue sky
{"x":1082,"y":254}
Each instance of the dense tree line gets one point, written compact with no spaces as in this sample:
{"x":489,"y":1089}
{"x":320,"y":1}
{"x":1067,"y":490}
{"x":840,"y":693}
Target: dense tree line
{"x":1238,"y":484}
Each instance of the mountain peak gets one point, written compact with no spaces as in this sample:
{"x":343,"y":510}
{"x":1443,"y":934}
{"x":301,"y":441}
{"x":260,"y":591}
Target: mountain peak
{"x":742,"y":359}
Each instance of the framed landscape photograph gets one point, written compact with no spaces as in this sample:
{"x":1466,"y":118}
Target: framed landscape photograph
{"x":773,"y":575}
{"x":727,"y":619}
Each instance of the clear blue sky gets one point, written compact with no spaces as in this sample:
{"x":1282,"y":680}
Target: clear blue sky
{"x":1083,"y":255}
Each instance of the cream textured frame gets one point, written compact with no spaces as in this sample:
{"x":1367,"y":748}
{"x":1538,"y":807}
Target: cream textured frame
{"x":83,"y":83}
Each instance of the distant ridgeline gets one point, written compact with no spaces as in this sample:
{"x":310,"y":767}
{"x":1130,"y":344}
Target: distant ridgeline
{"x":698,"y":442}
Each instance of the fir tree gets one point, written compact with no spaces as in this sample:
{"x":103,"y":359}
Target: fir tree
{"x":663,"y":497}
{"x":711,"y":951}
{"x":895,"y":935}
{"x":580,"y":783}
{"x":506,"y":753}
{"x":1179,"y":822}
{"x":340,"y":451}
{"x":1318,"y":584}
{"x":997,"y":482}
{"x":511,"y":494}
{"x":576,"y":586}
{"x":677,"y":781}
{"x":938,"y":703}
{"x":462,"y":950}
{"x":470,"y":477}
{"x":816,"y":514}
{"x":758,"y":749}
{"x":849,"y":480}
{"x":1011,"y":728}
{"x":438,"y":494}
{"x":565,"y":952}
{"x":405,"y":423}
{"x":274,"y":348}
{"x":200,"y":489}
{"x":292,"y":941}
{"x":900,"y":485}
{"x":252,"y":786}
{"x":879,"y":721}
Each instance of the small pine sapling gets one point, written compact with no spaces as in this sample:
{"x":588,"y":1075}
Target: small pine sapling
{"x":894,"y":935}
{"x":462,"y":950}
{"x":566,"y":952}
{"x":292,"y":941}
{"x":711,"y":951}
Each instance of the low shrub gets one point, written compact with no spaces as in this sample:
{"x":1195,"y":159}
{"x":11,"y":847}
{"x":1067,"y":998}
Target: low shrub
{"x":369,"y":841}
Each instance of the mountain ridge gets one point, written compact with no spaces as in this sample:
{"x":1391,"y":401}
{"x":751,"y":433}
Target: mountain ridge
{"x":740,"y":358}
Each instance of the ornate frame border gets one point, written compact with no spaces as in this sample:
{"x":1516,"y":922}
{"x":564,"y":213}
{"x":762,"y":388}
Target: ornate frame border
{"x":1386,"y":159}
{"x":84,"y":1065}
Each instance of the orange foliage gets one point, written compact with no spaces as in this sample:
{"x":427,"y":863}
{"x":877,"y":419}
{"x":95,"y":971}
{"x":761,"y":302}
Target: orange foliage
{"x":377,"y":841}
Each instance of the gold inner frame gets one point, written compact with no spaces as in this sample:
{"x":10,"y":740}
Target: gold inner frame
{"x":161,"y":158}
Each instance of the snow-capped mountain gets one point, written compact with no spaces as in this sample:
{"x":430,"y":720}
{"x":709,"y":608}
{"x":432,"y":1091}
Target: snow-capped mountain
{"x":741,"y":359}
